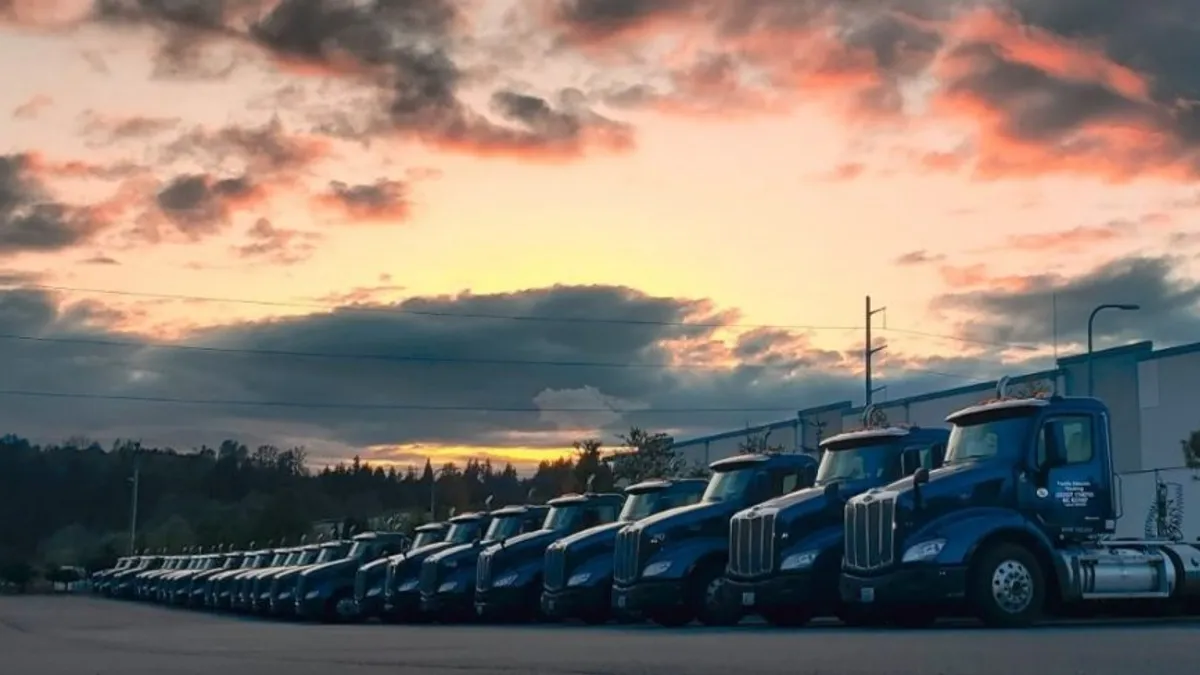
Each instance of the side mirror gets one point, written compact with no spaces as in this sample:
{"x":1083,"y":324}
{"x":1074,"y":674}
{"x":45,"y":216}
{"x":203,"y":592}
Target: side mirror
{"x":920,"y":477}
{"x":833,"y":495}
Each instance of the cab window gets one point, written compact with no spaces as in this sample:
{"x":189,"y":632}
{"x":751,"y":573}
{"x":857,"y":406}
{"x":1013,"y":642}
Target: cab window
{"x":1071,"y":433}
{"x":786,"y":481}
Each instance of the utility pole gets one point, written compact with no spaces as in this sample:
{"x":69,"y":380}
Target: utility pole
{"x":136,"y":480}
{"x":869,"y":351}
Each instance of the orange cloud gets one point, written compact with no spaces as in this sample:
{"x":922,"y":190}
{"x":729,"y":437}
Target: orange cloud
{"x":979,"y":275}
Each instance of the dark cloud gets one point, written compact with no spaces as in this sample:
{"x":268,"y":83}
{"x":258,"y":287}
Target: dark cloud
{"x":31,"y":220}
{"x":1170,"y":305}
{"x":921,"y":257}
{"x":199,"y":204}
{"x":384,"y":200}
{"x":100,"y":259}
{"x":282,"y":246}
{"x":778,"y":370}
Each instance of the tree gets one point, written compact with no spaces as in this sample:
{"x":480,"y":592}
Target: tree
{"x":589,"y":465}
{"x":758,"y":443}
{"x":646,"y":455}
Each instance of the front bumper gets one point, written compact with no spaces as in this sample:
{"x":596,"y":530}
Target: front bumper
{"x":311,"y":607}
{"x":370,"y":604}
{"x":648,"y":596}
{"x":402,"y":605}
{"x":906,"y":585}
{"x":497,"y":603}
{"x":449,"y":604}
{"x":283,"y":603}
{"x":781,"y":590}
{"x":577,"y":601}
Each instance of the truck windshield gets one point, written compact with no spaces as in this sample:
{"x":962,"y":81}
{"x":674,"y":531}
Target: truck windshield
{"x":426,"y":538}
{"x":463,"y":532}
{"x":359,"y":550}
{"x":730,"y":484}
{"x":563,"y":517}
{"x":331,"y":553}
{"x":984,"y":437}
{"x":308,"y":557}
{"x":503,"y":528}
{"x":638,"y":506}
{"x":877,"y":461}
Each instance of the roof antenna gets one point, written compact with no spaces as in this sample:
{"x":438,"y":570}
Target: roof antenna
{"x":487,"y":503}
{"x":590,"y":482}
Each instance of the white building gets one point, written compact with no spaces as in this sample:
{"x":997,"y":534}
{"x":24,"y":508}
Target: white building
{"x":1153,"y":396}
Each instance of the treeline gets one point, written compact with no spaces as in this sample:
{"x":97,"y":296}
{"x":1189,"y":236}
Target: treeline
{"x":72,"y":503}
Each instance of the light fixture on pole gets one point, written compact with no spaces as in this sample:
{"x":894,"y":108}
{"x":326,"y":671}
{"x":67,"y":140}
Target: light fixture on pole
{"x":1091,"y":323}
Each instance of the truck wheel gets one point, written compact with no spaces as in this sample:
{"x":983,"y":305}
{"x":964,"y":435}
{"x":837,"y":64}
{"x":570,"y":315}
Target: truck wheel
{"x":1007,"y":588}
{"x":341,"y":608}
{"x":709,"y":598}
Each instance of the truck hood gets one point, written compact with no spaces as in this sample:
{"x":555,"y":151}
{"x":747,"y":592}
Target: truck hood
{"x":375,"y":566}
{"x":693,"y":515}
{"x":970,"y":484}
{"x":459,"y":553}
{"x":601,"y":536}
{"x":531,"y":545}
{"x":333,"y":568}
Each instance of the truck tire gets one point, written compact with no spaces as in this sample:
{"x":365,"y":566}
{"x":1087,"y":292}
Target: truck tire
{"x":709,"y":600}
{"x":1007,"y":588}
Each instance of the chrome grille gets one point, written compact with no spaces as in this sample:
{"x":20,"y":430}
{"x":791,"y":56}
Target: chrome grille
{"x":429,"y":576}
{"x":627,"y":556}
{"x":555,"y":573}
{"x":752,"y":544}
{"x":483,"y":572}
{"x":869,"y":532}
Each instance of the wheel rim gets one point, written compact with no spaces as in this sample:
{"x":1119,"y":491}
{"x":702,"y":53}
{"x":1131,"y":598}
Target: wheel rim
{"x":345,"y":608}
{"x":1012,"y":586}
{"x":712,"y":593}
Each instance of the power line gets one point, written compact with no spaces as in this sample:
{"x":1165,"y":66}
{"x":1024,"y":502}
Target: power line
{"x":508,"y":317}
{"x":394,"y":358}
{"x":376,"y":406}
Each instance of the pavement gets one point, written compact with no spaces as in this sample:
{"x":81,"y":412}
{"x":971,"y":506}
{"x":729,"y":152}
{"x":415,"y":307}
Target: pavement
{"x":71,"y":635}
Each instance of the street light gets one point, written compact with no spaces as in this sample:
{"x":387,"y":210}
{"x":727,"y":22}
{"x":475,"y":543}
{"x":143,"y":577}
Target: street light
{"x":1091,"y":323}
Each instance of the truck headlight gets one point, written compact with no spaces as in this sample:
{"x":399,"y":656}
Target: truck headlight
{"x":655,"y":569}
{"x":799,"y":561}
{"x":925,"y":550}
{"x":410,"y":585}
{"x":448,"y":587}
{"x":579,"y":579}
{"x":506,"y":580}
{"x":312,"y":594}
{"x":451,"y":564}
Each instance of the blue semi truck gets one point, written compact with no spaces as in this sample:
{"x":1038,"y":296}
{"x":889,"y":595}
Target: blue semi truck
{"x":670,"y":567}
{"x":1026,"y":517}
{"x":508,"y":575}
{"x":579,"y":568}
{"x":785,"y":554}
{"x":447,"y":579}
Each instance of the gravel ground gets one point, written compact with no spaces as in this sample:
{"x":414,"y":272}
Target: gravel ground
{"x":41,"y":635}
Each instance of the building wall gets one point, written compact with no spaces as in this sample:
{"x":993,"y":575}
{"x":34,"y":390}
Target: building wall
{"x":1169,"y":404}
{"x":931,"y":410}
{"x":709,"y":449}
{"x":1153,"y":398}
{"x":1116,"y":372}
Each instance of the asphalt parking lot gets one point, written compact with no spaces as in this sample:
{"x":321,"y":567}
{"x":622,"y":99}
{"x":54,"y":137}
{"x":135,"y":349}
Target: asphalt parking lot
{"x":42,"y":635}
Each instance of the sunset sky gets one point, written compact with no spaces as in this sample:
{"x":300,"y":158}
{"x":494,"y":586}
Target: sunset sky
{"x":664,"y":212}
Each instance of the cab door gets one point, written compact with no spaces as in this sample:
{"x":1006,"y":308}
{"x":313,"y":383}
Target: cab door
{"x":1070,"y":490}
